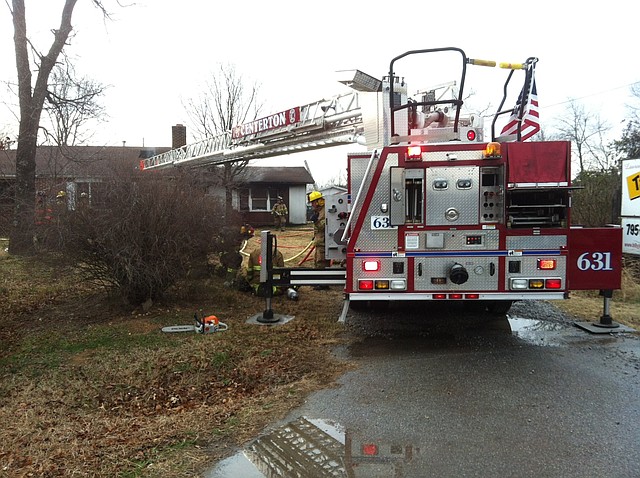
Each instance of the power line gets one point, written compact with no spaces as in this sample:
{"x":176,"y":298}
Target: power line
{"x":591,"y":95}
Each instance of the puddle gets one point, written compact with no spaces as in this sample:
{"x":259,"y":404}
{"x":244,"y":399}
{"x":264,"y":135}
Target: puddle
{"x":536,"y":332}
{"x":303,"y":447}
{"x":316,"y":448}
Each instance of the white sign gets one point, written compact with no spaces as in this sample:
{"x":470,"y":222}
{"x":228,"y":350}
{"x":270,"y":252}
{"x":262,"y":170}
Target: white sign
{"x":631,"y":187}
{"x":412,"y":240}
{"x":631,"y":235}
{"x":631,"y":206}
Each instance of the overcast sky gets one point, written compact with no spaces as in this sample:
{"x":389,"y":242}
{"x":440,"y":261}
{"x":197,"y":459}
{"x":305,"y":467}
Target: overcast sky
{"x":158,"y":53}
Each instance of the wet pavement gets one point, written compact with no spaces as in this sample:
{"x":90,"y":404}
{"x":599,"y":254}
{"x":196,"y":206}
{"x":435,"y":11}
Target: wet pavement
{"x":451,"y":394}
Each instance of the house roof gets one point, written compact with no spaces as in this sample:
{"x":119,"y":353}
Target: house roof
{"x":84,"y":162}
{"x":278,"y":174}
{"x":78,"y":161}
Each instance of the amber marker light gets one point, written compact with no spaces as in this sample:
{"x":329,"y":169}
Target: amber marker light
{"x":493,"y":150}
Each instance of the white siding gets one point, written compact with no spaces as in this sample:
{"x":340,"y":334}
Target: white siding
{"x":297,"y":205}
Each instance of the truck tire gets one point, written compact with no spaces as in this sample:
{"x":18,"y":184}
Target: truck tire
{"x":499,"y":307}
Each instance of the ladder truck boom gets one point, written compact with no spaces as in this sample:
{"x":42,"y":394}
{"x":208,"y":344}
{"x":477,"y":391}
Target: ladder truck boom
{"x":323,"y":123}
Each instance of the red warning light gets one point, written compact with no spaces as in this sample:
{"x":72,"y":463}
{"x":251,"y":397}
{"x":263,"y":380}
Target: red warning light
{"x":471,"y":135}
{"x":553,"y":284}
{"x":369,"y":449}
{"x":365,"y":284}
{"x":414,"y":153}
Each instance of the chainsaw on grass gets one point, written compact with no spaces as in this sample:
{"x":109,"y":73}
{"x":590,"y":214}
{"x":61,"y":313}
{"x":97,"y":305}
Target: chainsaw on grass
{"x":206,"y":325}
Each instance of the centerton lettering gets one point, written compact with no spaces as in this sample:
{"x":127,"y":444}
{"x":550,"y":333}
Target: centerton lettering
{"x":277,"y":120}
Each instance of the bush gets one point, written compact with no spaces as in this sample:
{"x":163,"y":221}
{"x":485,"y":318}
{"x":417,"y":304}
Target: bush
{"x":147,"y":233}
{"x":598,"y":202}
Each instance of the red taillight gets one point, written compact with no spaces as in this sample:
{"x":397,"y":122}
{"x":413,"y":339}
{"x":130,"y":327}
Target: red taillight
{"x":414,"y":153}
{"x":439,"y":296}
{"x":365,"y":284}
{"x":546,"y":264}
{"x":553,"y":284}
{"x":455,"y":296}
{"x":369,"y":449}
{"x":370,"y":265}
{"x":472,"y":296}
{"x":471,"y":135}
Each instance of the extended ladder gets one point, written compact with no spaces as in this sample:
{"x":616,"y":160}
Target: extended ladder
{"x":320,"y":124}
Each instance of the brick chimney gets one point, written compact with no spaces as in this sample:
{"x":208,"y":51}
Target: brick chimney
{"x":178,"y":136}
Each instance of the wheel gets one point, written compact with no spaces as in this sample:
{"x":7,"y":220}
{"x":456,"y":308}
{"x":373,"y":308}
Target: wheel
{"x":499,"y":307}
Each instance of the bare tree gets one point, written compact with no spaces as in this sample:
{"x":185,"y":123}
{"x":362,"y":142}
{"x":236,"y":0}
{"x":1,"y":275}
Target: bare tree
{"x":629,"y":144}
{"x":31,"y":98}
{"x":586,"y":131}
{"x":226,"y":101}
{"x":70,"y":104}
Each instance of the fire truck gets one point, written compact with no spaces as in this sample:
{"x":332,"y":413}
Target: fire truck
{"x":439,"y":208}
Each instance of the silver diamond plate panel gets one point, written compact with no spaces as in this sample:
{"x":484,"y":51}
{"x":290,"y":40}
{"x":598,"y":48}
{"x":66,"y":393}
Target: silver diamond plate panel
{"x":376,"y":239}
{"x":440,"y":200}
{"x":536,"y":242}
{"x":478,"y":269}
{"x":385,"y":272}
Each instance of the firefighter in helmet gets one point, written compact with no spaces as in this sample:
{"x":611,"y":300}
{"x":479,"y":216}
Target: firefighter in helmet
{"x":319,"y":223}
{"x":279,"y":212}
{"x":61,"y":199}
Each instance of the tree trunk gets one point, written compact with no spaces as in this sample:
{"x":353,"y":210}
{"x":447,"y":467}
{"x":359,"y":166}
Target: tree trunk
{"x":31,"y":101}
{"x":21,"y":234}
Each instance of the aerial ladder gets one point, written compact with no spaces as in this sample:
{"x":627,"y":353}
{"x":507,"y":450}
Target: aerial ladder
{"x":323,"y":123}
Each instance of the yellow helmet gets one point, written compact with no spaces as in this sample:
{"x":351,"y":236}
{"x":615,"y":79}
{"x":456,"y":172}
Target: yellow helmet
{"x":61,"y":194}
{"x":313,"y":195}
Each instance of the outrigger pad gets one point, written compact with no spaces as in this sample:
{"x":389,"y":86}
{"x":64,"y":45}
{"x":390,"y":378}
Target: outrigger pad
{"x":597,"y":328}
{"x":281,"y":319}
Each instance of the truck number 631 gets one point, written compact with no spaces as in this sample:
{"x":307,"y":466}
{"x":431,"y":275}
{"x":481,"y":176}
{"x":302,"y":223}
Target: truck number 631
{"x":596,"y":261}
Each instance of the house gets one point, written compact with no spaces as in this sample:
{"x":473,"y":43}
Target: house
{"x":259,"y":188}
{"x":332,"y":190}
{"x":79,"y":171}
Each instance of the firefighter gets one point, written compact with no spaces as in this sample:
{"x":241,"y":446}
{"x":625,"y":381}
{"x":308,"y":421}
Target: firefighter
{"x":319,"y":223}
{"x":61,"y":200}
{"x":279,"y":212}
{"x":229,"y":244}
{"x":254,"y":266}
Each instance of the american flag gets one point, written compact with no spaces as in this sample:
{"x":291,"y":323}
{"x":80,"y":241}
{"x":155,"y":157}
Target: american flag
{"x":530,"y":123}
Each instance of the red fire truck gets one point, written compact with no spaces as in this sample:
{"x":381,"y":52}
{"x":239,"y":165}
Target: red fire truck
{"x":434,"y":210}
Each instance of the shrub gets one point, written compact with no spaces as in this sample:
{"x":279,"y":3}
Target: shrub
{"x":148,"y":231}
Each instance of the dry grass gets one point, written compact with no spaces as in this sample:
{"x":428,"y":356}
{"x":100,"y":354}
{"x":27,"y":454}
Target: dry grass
{"x":90,"y":388}
{"x":625,"y":305}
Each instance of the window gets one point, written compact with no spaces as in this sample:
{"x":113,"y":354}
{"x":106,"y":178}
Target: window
{"x":257,"y":198}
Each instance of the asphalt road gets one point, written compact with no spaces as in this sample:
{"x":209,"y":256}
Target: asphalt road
{"x":440,"y":393}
